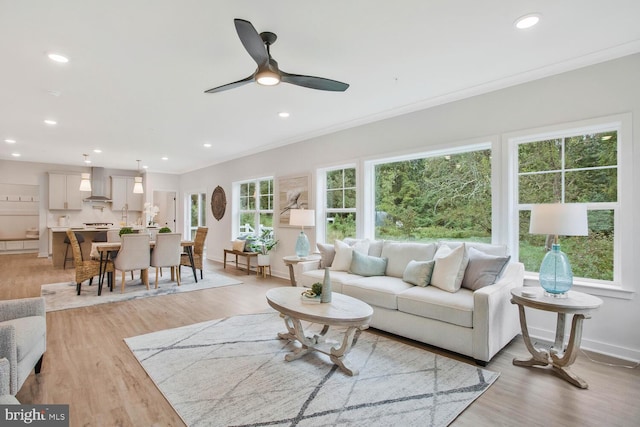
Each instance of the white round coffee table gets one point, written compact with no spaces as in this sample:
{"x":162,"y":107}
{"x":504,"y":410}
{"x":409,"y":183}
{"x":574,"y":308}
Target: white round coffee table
{"x":342,"y":311}
{"x":578,"y":304}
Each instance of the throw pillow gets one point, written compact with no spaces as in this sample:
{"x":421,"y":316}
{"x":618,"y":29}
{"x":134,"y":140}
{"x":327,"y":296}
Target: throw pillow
{"x":327,"y":253}
{"x":446,"y":271}
{"x":238,"y":245}
{"x":365,"y":265}
{"x":483,"y":270}
{"x":418,"y":272}
{"x":342,"y":260}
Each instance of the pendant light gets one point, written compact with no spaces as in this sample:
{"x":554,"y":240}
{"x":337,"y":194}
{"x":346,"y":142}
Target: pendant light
{"x":85,"y":178}
{"x":137,"y":182}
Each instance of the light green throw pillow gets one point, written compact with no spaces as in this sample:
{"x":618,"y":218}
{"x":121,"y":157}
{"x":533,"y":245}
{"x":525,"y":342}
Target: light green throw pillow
{"x":418,"y":272}
{"x":365,"y":265}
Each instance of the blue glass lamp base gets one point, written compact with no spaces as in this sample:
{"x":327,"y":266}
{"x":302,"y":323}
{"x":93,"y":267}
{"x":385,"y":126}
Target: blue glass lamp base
{"x":556,"y":277}
{"x":302,"y":245}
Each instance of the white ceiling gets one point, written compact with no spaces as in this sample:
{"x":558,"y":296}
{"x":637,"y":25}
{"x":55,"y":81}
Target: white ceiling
{"x":138,"y":68}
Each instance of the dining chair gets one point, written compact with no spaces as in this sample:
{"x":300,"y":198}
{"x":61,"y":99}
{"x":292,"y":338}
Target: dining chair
{"x":166,"y":253}
{"x":86,"y":269}
{"x":134,"y":254}
{"x":198,"y":249}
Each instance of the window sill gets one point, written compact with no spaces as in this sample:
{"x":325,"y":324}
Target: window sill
{"x":610,"y":291}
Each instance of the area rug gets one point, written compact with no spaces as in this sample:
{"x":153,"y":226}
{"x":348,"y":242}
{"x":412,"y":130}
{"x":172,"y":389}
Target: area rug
{"x":63,"y":296}
{"x":232,"y":372}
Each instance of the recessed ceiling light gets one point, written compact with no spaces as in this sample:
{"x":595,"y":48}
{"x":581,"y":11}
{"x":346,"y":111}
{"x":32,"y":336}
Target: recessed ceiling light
{"x":207,"y":145}
{"x":10,"y":141}
{"x":165,"y":158}
{"x":283,"y":114}
{"x":527,"y":21}
{"x":50,"y":122}
{"x":15,"y":154}
{"x":97,"y":150}
{"x":145,"y":167}
{"x":58,"y":58}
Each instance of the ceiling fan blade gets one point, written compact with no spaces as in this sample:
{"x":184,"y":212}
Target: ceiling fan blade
{"x":252,"y":41}
{"x":231,"y":85}
{"x":314,"y":82}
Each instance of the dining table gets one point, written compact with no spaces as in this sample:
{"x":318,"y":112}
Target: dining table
{"x":103,"y":251}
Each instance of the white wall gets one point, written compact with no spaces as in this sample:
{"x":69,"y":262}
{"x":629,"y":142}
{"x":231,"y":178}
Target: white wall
{"x":601,"y":90}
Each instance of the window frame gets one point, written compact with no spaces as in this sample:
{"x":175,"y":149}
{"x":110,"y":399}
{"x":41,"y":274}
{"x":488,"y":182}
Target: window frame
{"x":486,"y":143}
{"x":321,"y":198}
{"x":237,"y":212}
{"x":623,"y":243}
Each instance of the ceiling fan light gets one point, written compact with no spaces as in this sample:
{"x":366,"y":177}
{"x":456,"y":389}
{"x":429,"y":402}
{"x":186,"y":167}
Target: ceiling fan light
{"x":267,"y":78}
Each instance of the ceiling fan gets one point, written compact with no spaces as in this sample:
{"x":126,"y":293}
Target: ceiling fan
{"x":268,"y":73}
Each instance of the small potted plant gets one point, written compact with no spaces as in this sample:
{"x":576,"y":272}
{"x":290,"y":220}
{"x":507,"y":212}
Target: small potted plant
{"x":263,"y":244}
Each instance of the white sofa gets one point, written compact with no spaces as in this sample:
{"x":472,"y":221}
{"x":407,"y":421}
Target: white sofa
{"x":475,"y":323}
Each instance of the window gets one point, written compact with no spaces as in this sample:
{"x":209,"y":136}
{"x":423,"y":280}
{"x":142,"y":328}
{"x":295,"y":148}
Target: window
{"x":197,"y":212}
{"x":574,"y":165}
{"x":339,"y":203}
{"x":255,"y":201}
{"x":443,"y":194}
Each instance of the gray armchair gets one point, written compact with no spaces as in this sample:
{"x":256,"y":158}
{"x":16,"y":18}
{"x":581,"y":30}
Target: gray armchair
{"x":6,"y":398}
{"x":23,"y":338}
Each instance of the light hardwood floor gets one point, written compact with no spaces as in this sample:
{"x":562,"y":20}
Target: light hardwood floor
{"x":88,"y":366}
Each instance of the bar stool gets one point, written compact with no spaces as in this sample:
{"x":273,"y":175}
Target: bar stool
{"x":80,"y":238}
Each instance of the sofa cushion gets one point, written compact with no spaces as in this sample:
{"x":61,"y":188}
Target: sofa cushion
{"x":449,"y":269}
{"x":482,"y":269}
{"x":378,"y":290}
{"x":366,"y":265}
{"x":327,"y":254}
{"x":29,"y":332}
{"x":487,"y":248}
{"x":418,"y":272}
{"x":433,"y":303}
{"x":399,"y":254}
{"x":338,"y":278}
{"x":344,"y":251}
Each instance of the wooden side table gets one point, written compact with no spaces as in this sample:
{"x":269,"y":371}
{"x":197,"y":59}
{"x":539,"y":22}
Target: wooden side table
{"x":247,"y":255}
{"x":292,"y":260}
{"x":578,"y":304}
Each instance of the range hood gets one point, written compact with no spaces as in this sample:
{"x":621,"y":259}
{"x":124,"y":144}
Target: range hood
{"x":98,"y":185}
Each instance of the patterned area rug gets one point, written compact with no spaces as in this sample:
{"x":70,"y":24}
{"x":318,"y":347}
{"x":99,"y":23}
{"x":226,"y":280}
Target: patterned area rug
{"x":63,"y":296}
{"x":232,"y":372}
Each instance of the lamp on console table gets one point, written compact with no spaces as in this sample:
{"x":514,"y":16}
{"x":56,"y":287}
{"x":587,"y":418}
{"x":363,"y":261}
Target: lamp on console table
{"x":302,"y":218}
{"x":554,"y":219}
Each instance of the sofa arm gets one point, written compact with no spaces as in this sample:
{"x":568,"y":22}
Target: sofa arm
{"x":9,"y":352}
{"x":495,"y":319}
{"x":310,"y":265}
{"x":4,"y":376}
{"x":25,"y":307}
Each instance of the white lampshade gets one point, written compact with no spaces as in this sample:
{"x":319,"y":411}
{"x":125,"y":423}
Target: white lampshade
{"x":559,"y":219}
{"x":85,"y":182}
{"x":302,"y":217}
{"x":137,"y":185}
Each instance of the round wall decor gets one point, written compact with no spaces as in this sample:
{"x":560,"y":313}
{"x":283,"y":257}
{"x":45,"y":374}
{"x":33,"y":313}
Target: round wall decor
{"x":218,"y":203}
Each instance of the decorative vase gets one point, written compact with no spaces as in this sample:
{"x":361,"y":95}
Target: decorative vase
{"x":326,"y":287}
{"x":556,"y":277}
{"x":302,"y":245}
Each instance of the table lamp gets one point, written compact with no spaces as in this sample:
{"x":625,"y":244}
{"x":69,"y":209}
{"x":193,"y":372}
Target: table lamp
{"x":564,"y":219}
{"x":303,"y":218}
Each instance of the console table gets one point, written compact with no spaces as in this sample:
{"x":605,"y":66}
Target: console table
{"x":247,"y":255}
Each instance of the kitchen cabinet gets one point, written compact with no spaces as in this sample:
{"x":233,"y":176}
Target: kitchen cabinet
{"x":64,"y":192}
{"x":122,"y":194}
